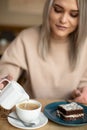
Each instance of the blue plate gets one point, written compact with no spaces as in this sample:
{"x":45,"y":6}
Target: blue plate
{"x":50,"y":112}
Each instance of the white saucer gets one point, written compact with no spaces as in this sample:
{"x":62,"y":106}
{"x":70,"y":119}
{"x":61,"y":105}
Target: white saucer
{"x":42,"y":120}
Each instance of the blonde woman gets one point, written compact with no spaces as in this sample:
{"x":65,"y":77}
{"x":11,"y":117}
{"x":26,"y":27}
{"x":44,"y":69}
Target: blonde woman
{"x":53,"y":54}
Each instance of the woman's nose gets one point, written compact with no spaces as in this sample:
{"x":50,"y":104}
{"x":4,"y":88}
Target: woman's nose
{"x":64,"y":18}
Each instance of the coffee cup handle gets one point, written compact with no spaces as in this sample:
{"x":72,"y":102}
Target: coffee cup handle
{"x":4,"y":79}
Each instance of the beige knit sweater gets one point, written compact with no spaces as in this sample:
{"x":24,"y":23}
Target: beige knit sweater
{"x":45,"y":79}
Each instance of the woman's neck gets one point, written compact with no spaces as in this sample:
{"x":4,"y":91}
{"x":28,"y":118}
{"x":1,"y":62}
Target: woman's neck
{"x":57,"y":45}
{"x":57,"y":41}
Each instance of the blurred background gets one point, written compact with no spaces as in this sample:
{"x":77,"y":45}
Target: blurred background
{"x":16,"y":15}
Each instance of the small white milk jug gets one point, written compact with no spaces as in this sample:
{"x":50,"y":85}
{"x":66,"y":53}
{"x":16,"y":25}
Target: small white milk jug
{"x":11,"y":94}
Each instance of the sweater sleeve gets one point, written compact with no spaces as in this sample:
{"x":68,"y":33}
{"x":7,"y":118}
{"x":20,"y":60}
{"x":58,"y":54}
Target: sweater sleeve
{"x":83,"y":81}
{"x":13,"y":60}
{"x":83,"y":66}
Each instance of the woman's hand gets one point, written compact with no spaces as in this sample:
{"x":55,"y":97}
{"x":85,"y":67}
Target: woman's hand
{"x":80,"y":95}
{"x":9,"y":77}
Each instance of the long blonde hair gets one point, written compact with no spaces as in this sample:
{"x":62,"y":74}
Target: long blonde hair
{"x":77,"y":37}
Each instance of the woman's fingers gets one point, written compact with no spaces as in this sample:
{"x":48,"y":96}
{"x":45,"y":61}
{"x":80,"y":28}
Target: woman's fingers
{"x":4,"y":83}
{"x":82,"y":98}
{"x":76,"y":93}
{"x":1,"y":86}
{"x":9,"y":77}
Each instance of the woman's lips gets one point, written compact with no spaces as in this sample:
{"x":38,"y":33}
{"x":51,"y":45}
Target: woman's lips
{"x":61,"y":27}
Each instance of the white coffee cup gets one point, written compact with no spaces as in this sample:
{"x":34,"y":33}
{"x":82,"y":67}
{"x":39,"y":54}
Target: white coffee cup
{"x":28,"y":111}
{"x":11,"y":94}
